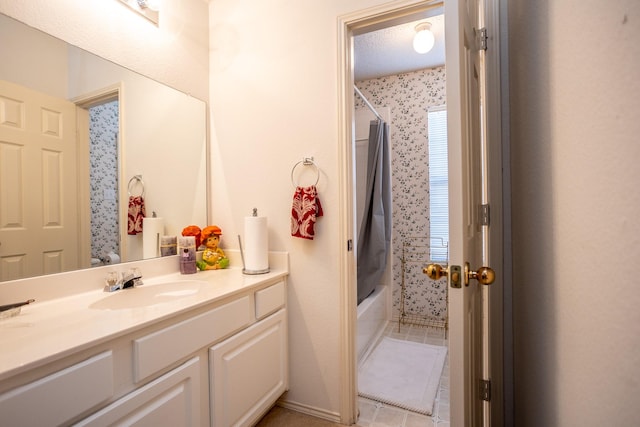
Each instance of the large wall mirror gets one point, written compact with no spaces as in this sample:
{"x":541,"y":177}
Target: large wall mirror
{"x":80,"y":139}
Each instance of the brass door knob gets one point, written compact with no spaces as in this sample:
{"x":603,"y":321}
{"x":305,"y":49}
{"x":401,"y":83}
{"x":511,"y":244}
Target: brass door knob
{"x":435,"y":271}
{"x":484,"y":275}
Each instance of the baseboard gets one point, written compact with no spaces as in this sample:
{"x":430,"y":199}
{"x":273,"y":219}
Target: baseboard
{"x":309,"y":410}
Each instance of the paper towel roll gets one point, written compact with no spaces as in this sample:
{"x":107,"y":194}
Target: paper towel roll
{"x":152,"y":229}
{"x":256,"y":245}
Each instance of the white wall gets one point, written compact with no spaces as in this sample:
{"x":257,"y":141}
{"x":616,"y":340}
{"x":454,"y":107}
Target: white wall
{"x":575,"y":108}
{"x":274,"y":100}
{"x":175,"y":52}
{"x":26,"y":68}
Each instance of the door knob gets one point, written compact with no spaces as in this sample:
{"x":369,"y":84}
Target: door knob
{"x":484,"y":275}
{"x":435,"y":271}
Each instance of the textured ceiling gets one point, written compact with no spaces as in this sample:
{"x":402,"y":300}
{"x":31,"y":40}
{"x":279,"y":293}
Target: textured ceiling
{"x":390,"y":50}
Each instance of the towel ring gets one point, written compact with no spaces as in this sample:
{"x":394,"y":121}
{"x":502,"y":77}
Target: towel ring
{"x":137,"y":179}
{"x":307,"y":161}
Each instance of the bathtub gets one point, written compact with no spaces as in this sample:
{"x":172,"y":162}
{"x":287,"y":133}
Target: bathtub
{"x":372,"y":319}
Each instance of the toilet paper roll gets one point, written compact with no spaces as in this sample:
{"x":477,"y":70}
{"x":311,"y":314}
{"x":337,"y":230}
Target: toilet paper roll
{"x":111,"y":258}
{"x":152,"y":229}
{"x":256,"y":245}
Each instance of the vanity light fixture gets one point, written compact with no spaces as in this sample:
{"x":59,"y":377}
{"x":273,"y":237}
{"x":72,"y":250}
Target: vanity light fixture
{"x":147,"y":8}
{"x":424,"y":40}
{"x":149,"y":4}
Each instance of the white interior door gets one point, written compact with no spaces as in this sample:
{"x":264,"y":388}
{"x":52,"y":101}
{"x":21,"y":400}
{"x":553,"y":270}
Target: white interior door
{"x":38,"y":194}
{"x":467,"y":185}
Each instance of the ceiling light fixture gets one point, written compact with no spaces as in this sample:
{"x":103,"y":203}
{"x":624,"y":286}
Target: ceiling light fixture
{"x":147,"y":8}
{"x":424,"y":40}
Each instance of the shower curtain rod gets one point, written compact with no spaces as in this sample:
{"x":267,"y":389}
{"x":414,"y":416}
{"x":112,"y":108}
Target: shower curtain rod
{"x":367,"y":103}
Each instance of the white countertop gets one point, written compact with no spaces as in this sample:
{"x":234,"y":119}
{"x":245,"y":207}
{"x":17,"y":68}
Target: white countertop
{"x":48,"y":330}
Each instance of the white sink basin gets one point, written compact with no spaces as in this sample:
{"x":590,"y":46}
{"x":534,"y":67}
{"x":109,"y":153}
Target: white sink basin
{"x":150,"y":294}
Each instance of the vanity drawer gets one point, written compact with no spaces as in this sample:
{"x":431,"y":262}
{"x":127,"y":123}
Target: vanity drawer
{"x":160,"y":349}
{"x":55,"y":399}
{"x":269,"y":300}
{"x":171,"y":400}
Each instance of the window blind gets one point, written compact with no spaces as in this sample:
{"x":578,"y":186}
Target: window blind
{"x":438,"y":184}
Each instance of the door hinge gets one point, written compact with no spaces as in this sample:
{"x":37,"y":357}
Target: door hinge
{"x":485,"y":390}
{"x":349,"y":245}
{"x":484,"y":214}
{"x":482,"y":38}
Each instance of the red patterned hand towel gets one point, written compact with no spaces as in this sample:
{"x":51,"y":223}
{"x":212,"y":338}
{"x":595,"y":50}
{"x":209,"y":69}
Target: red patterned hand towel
{"x":304,"y":212}
{"x":136,"y":214}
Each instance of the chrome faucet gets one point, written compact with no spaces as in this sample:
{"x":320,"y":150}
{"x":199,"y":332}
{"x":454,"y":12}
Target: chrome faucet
{"x":116,"y":281}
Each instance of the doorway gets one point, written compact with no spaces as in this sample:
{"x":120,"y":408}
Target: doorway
{"x":100,"y":183}
{"x":104,"y":126}
{"x":416,"y":306}
{"x":469,"y":52}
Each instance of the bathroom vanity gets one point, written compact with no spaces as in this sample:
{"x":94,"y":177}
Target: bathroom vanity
{"x":180,"y":350}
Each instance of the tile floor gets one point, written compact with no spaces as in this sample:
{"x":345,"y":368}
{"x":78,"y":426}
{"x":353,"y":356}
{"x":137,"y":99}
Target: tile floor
{"x":375,"y":414}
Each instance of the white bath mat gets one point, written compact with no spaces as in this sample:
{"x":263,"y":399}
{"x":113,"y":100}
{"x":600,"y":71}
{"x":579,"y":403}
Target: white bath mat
{"x":402,"y":373}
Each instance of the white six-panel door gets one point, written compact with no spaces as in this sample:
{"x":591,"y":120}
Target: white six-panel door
{"x":38,"y":195}
{"x":467,"y":183}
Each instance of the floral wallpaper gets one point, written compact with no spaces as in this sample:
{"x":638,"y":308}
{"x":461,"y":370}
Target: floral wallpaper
{"x":103,"y":155}
{"x":408,"y":96}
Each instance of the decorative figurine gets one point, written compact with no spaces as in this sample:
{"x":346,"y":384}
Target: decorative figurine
{"x":213,"y":258}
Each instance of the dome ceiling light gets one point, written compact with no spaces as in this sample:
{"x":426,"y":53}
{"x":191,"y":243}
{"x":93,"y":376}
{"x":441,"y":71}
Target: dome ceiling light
{"x":424,"y":39}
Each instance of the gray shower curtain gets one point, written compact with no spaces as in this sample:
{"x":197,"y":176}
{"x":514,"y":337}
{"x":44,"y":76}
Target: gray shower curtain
{"x":374,"y":239}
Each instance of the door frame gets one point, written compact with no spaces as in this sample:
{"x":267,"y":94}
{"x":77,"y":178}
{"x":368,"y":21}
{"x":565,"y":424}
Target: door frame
{"x":348,"y":25}
{"x":496,"y":297}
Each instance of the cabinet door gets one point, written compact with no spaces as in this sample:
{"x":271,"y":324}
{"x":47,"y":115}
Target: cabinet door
{"x":61,"y":396}
{"x":171,"y":400}
{"x":249,"y":371}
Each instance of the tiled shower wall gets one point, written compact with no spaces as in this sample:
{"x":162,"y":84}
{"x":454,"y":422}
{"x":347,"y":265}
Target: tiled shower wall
{"x":409,"y":96}
{"x":103,"y":154}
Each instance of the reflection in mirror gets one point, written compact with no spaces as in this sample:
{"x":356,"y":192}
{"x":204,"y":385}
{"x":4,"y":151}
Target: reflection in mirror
{"x":104,"y":123}
{"x":75,"y":130}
